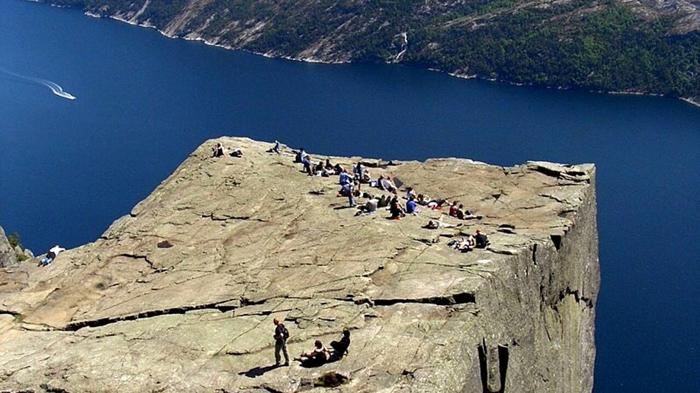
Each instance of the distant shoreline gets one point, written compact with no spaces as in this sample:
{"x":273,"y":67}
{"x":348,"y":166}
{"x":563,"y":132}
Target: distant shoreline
{"x":694,"y":101}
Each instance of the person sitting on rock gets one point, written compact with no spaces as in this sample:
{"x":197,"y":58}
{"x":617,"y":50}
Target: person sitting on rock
{"x":482,"y":241}
{"x":397,"y":211}
{"x":316,"y":357}
{"x":51,"y":255}
{"x":369,"y":207}
{"x":453,"y":209}
{"x":219,"y":150}
{"x":387,"y":184}
{"x":326,"y":169}
{"x":411,"y":205}
{"x":460,"y":212}
{"x":367,"y":178}
{"x":236,"y":153}
{"x":410,"y":192}
{"x":275,"y":148}
{"x":471,"y":242}
{"x":384,"y":201}
{"x":338,"y":169}
{"x":464,"y":244}
{"x":340,"y":348}
{"x":319,"y":169}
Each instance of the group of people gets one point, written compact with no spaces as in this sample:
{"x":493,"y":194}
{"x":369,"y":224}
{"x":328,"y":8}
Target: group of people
{"x":470,"y":242}
{"x":350,"y":187}
{"x":318,"y":356}
{"x":219,"y":150}
{"x":459,"y":212}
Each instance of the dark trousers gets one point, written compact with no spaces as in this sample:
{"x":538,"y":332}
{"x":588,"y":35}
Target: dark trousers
{"x":281,"y":346}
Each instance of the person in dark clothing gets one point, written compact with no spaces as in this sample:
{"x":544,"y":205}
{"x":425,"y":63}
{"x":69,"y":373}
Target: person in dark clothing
{"x":300,"y":155}
{"x":319,"y":168}
{"x":460,"y":212}
{"x":340,"y":348}
{"x":411,"y":205}
{"x":396,"y":209}
{"x":482,"y":241}
{"x":275,"y":148}
{"x":306,"y":161}
{"x":316,"y":357}
{"x":219,"y":150}
{"x":281,"y":335}
{"x":383,"y":201}
{"x":453,"y":209}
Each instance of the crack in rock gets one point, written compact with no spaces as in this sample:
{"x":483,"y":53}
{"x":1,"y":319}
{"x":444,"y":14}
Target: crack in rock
{"x":458,"y":298}
{"x":73,"y":326}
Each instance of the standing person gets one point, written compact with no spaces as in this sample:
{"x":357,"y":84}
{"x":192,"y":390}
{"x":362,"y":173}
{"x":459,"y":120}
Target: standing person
{"x":299,"y":157}
{"x":344,"y":178}
{"x":351,"y":197}
{"x":281,"y":335}
{"x":359,"y":171}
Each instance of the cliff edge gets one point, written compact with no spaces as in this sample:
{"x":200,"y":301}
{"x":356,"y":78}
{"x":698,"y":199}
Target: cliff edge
{"x":180,"y":294}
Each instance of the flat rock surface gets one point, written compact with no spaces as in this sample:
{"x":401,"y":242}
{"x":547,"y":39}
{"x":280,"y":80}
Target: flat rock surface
{"x":180,"y":294}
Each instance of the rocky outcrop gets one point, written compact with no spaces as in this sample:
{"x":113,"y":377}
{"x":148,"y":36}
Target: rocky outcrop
{"x":180,"y":294}
{"x":7,"y":252}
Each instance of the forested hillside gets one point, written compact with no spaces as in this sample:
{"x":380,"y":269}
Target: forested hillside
{"x":644,"y":46}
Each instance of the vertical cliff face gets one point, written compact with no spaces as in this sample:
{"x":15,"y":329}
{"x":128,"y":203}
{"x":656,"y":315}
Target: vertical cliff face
{"x":180,"y":294}
{"x":545,"y":306}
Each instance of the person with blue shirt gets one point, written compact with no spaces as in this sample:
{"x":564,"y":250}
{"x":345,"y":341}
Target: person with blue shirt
{"x":411,"y":205}
{"x":344,"y":178}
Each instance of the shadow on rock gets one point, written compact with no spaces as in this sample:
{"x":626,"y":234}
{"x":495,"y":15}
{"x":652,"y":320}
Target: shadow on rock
{"x":257,"y":371}
{"x":327,"y":380}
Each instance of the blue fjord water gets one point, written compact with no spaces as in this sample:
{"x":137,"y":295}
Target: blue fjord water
{"x":68,"y":168}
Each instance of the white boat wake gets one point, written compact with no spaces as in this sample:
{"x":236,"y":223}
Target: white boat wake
{"x":54,"y":87}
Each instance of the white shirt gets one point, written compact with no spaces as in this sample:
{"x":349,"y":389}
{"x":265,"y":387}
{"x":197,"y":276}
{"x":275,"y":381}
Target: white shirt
{"x":56,"y":249}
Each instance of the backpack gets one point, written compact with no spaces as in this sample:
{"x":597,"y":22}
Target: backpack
{"x":285,"y":332}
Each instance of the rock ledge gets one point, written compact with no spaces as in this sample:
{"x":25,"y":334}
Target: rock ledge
{"x":180,"y":294}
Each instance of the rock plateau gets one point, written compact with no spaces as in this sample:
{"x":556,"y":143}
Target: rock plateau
{"x":180,"y":294}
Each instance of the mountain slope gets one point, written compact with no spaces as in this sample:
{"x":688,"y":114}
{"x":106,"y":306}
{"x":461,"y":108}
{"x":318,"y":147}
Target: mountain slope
{"x":642,"y":46}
